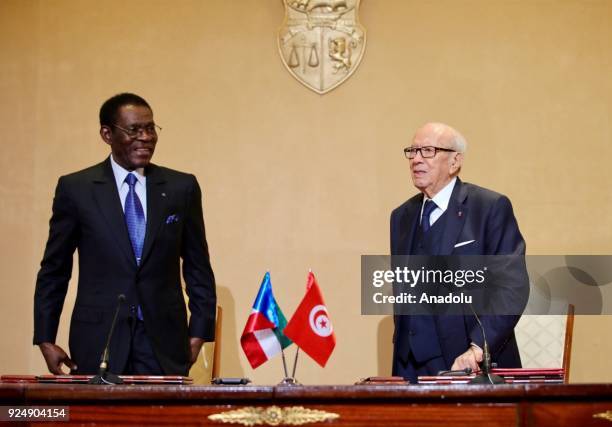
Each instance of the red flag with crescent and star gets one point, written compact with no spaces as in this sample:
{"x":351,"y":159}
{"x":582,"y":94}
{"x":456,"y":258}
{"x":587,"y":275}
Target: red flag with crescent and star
{"x":310,"y":327}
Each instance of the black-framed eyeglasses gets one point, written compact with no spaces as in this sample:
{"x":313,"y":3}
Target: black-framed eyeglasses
{"x":427,"y":152}
{"x":137,"y":131}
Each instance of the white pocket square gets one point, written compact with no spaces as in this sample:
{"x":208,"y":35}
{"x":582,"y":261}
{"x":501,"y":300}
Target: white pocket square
{"x":467,"y":242}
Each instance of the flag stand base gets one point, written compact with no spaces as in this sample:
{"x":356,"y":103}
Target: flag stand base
{"x":289,"y":381}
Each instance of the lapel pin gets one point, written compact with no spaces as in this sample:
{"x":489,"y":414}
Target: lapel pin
{"x":460,"y":214}
{"x":163,"y":194}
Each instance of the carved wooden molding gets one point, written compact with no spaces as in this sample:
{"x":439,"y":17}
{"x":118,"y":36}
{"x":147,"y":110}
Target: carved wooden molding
{"x":604,"y":415}
{"x":273,"y":416}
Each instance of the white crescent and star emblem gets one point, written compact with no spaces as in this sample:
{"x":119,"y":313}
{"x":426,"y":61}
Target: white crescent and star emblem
{"x":319,"y":321}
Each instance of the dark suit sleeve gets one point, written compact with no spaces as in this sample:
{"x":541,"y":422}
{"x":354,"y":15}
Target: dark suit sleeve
{"x":392,"y":248}
{"x":56,"y":266}
{"x":510,"y":281}
{"x":197,"y":271}
{"x":393,"y":232}
{"x":503,"y":235}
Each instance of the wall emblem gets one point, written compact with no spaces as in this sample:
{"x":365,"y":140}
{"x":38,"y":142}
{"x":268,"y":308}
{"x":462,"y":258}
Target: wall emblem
{"x":321,"y":42}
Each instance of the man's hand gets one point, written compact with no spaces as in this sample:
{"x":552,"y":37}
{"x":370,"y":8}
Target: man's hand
{"x":55,"y":357}
{"x":469,"y":359}
{"x":196,"y":345}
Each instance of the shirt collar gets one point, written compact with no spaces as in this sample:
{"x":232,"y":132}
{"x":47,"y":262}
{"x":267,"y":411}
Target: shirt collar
{"x":120,"y":173}
{"x":442,"y":198}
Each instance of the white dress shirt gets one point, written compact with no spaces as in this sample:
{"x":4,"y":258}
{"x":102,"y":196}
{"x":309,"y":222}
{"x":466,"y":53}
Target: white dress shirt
{"x":123,"y":187}
{"x":441,"y":199}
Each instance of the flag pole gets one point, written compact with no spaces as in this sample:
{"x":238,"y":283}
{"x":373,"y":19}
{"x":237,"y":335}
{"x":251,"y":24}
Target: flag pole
{"x":289,"y":380}
{"x":297,"y":352}
{"x":284,"y":363}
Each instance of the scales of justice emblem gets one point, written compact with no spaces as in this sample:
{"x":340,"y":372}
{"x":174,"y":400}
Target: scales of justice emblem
{"x":321,"y":42}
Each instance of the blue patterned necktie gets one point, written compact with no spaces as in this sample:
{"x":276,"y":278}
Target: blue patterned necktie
{"x":134,"y":218}
{"x":429,"y":207}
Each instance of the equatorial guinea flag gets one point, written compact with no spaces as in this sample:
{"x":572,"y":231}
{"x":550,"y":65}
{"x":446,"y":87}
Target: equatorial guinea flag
{"x":310,"y":327}
{"x":262,"y":338}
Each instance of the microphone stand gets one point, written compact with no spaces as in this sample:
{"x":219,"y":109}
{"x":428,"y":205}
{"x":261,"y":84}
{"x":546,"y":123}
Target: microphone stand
{"x":485,"y":376}
{"x":104,"y":376}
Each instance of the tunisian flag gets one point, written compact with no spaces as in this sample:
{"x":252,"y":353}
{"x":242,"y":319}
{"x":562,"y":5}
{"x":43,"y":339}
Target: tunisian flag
{"x":310,"y":328}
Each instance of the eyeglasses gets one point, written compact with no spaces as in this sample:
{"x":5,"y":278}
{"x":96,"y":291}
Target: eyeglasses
{"x":138,"y":131}
{"x":426,"y":152}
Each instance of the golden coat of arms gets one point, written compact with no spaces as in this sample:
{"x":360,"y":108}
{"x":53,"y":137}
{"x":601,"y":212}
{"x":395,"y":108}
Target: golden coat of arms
{"x":321,"y":42}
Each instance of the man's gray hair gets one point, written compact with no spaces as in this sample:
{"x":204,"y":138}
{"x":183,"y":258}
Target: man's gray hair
{"x":459,"y":142}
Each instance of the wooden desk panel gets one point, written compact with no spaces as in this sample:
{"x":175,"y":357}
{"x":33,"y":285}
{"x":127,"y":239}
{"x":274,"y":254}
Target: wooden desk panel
{"x":570,"y":414}
{"x":388,"y":406}
{"x":381,"y":415}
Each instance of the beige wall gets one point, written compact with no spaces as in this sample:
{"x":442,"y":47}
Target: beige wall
{"x":293,"y":180}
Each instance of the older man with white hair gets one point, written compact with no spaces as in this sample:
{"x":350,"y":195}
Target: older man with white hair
{"x":450,"y":217}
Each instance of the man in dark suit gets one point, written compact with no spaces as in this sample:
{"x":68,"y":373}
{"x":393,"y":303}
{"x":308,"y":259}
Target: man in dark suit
{"x":449,"y":217}
{"x":132,"y":222}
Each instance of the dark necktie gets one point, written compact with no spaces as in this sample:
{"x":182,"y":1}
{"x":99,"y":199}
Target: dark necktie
{"x":429,"y":207}
{"x":134,"y":218}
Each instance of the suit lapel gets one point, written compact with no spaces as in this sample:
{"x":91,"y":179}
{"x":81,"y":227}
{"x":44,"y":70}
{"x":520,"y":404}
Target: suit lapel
{"x":455,"y":218}
{"x":156,"y":206}
{"x":408,"y":226}
{"x":109,"y":204}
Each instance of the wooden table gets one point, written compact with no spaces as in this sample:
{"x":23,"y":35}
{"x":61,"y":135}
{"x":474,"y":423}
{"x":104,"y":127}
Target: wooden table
{"x":372,"y":405}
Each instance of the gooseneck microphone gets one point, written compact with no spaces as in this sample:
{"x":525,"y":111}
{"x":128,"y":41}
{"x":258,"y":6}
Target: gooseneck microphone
{"x":105,"y":377}
{"x":485,"y":376}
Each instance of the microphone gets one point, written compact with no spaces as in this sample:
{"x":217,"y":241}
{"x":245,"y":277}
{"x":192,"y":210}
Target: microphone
{"x":105,"y":377}
{"x":485,"y":376}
